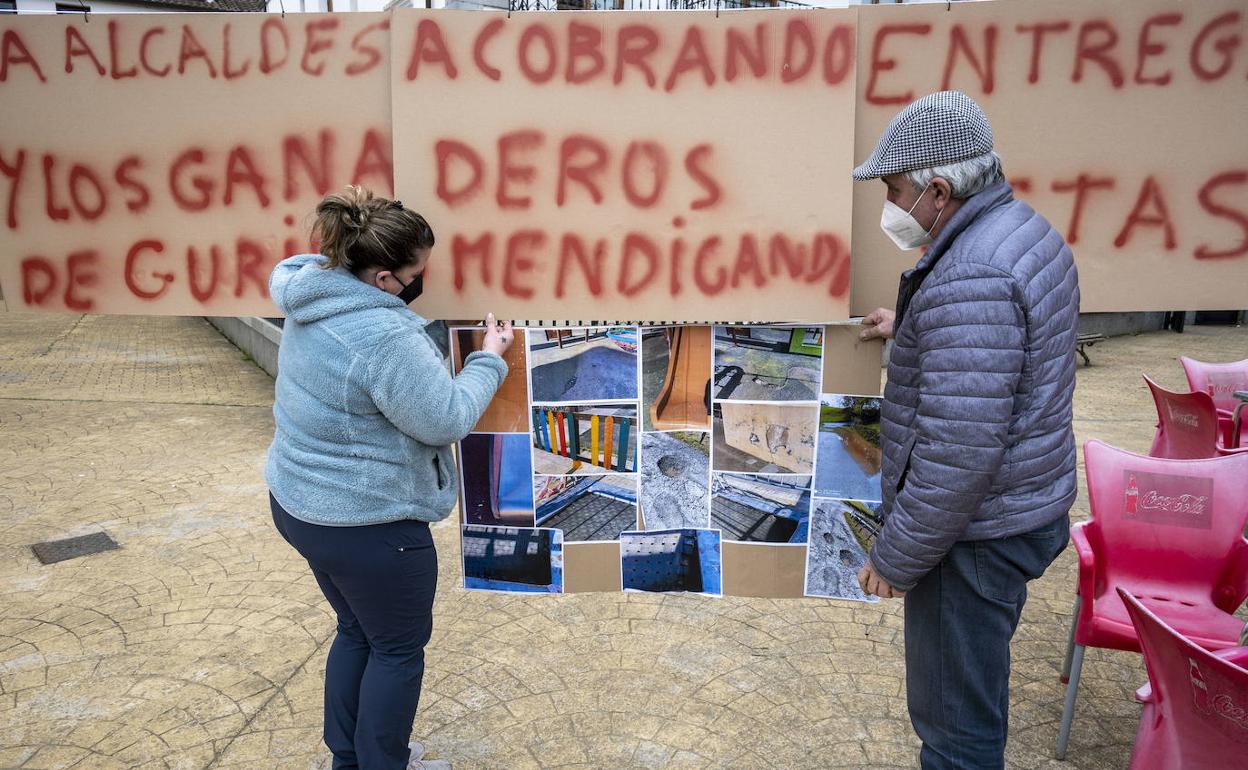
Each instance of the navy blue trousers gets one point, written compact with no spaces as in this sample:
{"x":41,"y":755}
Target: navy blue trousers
{"x":380,"y":580}
{"x":959,"y":622}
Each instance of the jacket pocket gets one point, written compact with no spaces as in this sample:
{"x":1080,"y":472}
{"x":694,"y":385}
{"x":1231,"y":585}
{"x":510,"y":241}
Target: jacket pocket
{"x":440,"y":472}
{"x":905,"y":465}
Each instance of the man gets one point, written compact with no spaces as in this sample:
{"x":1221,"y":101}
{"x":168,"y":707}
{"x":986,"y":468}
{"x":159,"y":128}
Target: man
{"x":979,"y":456}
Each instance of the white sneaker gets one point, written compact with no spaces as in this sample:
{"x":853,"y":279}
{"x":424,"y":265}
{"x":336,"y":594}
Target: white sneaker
{"x":416,"y":751}
{"x":414,"y":761}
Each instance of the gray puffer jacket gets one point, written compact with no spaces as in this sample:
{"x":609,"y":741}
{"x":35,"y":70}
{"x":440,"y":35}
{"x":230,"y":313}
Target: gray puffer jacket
{"x":976,"y":424}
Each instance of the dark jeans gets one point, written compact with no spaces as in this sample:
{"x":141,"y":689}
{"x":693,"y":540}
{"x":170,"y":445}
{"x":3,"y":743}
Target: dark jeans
{"x":959,"y":621}
{"x":380,"y":580}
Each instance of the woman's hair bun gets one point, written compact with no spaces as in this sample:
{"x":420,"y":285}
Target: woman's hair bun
{"x":358,"y":230}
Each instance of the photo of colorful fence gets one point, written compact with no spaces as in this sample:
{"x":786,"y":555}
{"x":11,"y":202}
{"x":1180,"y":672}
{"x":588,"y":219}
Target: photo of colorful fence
{"x":603,"y":438}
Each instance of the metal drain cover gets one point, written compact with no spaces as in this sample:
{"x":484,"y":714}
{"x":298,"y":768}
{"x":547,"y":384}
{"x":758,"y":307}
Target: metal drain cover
{"x":53,"y":551}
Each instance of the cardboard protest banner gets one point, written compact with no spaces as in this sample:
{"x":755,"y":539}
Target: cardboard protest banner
{"x":1122,"y":122}
{"x":699,"y":459}
{"x":683,"y":166}
{"x":162,"y":164}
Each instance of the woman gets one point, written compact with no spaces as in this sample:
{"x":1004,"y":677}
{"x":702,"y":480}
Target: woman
{"x":361,"y":459}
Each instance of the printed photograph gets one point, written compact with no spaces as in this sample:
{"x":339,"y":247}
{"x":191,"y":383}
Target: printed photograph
{"x":676,"y":378}
{"x":675,"y":478}
{"x":508,"y":411}
{"x":587,"y":507}
{"x":761,"y":509}
{"x":584,"y":439}
{"x":593,"y":364}
{"x":765,"y":438}
{"x":841,"y":534}
{"x":497,"y":470}
{"x":849,"y":448}
{"x":686,"y":560}
{"x":768,"y":363}
{"x":522,"y":559}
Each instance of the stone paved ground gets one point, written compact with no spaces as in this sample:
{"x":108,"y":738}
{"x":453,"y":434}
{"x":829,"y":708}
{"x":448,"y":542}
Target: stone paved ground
{"x":201,"y":642}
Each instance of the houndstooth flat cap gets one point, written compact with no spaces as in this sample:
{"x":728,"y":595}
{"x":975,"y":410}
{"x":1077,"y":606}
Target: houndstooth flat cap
{"x":940,"y":128}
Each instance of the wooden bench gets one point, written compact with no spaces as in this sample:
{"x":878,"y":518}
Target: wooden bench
{"x":1087,"y":340}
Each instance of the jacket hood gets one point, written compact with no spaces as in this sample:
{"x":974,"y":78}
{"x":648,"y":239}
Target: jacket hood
{"x":305,"y":291}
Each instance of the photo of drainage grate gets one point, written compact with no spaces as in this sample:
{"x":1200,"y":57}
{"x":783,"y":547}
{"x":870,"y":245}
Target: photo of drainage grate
{"x":591,"y":364}
{"x":761,"y":509}
{"x":587,"y":508}
{"x":523,"y":559}
{"x":841,"y":534}
{"x":685,"y":560}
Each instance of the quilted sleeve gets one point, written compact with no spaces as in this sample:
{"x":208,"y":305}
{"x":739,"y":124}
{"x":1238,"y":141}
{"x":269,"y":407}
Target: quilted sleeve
{"x":971,"y":333}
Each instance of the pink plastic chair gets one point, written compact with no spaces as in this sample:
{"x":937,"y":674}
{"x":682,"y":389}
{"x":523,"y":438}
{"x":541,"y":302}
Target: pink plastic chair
{"x":1220,"y":381}
{"x":1196,"y":703}
{"x":1187,"y":424}
{"x":1172,"y":533}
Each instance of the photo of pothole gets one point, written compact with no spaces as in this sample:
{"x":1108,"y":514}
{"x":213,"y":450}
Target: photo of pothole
{"x":676,"y":378}
{"x":498,"y":479}
{"x":592,"y":364}
{"x":672,"y":560}
{"x":578,"y":439}
{"x":768,"y":363}
{"x":523,"y":559}
{"x":508,"y":410}
{"x":587,"y":507}
{"x":675,"y":477}
{"x":841,"y":534}
{"x":762,"y":509}
{"x":849,"y":448}
{"x":765,"y":438}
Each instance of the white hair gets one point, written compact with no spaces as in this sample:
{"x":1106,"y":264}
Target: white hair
{"x":965,"y":177}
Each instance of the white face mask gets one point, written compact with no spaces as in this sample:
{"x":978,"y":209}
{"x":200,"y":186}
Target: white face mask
{"x":903,"y":228}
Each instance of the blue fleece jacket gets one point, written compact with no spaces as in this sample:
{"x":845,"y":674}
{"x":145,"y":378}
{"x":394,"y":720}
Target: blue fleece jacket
{"x":366,"y":410}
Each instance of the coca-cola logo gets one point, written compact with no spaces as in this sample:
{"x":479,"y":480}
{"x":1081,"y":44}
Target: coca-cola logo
{"x":1191,"y":504}
{"x":1187,"y":419}
{"x":1224,"y":384}
{"x":1225,"y":707}
{"x":1164,"y":498}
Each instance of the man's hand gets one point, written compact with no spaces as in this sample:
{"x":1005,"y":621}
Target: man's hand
{"x":874,"y":585}
{"x":878,"y":323}
{"x":498,"y":336}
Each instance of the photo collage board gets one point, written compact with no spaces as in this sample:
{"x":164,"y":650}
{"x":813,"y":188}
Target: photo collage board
{"x":718,"y":460}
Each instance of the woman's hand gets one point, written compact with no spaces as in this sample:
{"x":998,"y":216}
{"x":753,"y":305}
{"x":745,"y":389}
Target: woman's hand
{"x":498,"y":337}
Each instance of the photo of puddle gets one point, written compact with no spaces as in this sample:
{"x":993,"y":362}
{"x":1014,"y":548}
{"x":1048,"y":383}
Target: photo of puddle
{"x":848,"y":463}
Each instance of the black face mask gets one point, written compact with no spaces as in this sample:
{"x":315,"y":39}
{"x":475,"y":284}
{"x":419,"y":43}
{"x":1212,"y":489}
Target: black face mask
{"x":411,"y":290}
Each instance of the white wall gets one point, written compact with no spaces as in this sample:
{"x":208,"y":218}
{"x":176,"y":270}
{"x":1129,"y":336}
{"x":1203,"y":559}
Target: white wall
{"x":320,"y":6}
{"x":380,"y":5}
{"x":95,"y":6}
